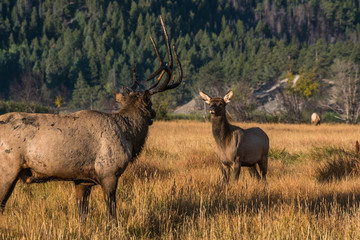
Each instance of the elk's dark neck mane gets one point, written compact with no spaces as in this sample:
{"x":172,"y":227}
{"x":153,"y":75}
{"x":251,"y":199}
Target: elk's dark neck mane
{"x":221,"y":129}
{"x":134,"y":121}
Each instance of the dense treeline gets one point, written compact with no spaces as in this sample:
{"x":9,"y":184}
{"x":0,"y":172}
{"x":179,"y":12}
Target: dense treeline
{"x":82,"y":50}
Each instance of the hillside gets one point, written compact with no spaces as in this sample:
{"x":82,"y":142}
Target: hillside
{"x":83,"y":50}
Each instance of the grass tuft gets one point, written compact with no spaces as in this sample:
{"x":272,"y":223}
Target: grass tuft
{"x":285,"y":156}
{"x":341,"y":165}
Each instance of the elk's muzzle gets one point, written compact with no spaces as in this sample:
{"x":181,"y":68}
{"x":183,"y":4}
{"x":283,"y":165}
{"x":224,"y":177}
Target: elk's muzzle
{"x":153,"y":115}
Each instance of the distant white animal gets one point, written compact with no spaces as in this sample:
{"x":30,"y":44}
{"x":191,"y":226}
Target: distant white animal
{"x":315,"y":119}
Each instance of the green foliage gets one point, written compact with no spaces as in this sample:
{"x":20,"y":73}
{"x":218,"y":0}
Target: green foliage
{"x":162,"y":103}
{"x":82,"y":94}
{"x":12,"y":106}
{"x":298,"y":94}
{"x":305,"y":85}
{"x":284,"y":156}
{"x":220,"y":43}
{"x":331,"y":117}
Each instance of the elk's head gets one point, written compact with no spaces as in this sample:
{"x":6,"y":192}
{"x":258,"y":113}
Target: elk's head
{"x":131,"y":97}
{"x":217,"y":104}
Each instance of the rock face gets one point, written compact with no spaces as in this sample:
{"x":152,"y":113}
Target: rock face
{"x":195,"y":106}
{"x":267,"y":96}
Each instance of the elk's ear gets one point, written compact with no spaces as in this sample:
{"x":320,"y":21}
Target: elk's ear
{"x":119,"y":97}
{"x":228,"y":96}
{"x":147,"y":95}
{"x":205,"y":97}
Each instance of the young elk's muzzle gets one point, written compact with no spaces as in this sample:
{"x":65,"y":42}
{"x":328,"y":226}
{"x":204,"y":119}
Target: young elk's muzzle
{"x":212,"y":109}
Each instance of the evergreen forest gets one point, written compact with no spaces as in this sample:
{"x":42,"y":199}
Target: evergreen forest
{"x":80,"y":52}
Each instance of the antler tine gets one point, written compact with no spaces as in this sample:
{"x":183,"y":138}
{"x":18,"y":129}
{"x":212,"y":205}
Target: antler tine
{"x":158,"y":79}
{"x":167,"y":43}
{"x":179,"y":80}
{"x":163,"y":68}
{"x":156,"y":50}
{"x":135,"y":77}
{"x":160,"y":70}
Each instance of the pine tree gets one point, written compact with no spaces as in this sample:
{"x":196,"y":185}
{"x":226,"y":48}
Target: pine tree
{"x":81,"y":94}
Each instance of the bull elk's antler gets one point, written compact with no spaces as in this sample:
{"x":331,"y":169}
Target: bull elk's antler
{"x":127,"y":90}
{"x":135,"y":77}
{"x":165,"y":68}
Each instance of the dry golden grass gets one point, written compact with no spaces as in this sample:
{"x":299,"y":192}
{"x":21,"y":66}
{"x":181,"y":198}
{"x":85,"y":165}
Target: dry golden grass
{"x":173,"y":191}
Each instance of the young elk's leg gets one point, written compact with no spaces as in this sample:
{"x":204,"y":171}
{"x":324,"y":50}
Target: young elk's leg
{"x":236,"y":172}
{"x":263,"y":166}
{"x":109,"y":186}
{"x":225,"y":172}
{"x":82,"y":199}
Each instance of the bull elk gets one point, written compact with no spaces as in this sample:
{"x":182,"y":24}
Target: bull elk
{"x":237,"y":147}
{"x":87,"y":147}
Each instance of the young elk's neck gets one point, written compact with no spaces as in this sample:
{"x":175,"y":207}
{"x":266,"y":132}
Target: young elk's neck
{"x":135,"y":124}
{"x":221,"y":129}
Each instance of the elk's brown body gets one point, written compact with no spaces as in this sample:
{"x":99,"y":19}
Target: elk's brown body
{"x":237,"y":147}
{"x":87,"y":147}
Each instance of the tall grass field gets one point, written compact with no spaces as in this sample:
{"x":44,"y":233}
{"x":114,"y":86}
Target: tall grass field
{"x":174,"y":191}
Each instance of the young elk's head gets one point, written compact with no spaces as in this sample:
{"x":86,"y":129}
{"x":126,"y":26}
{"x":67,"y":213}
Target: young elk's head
{"x":132,"y":98}
{"x":217,"y":104}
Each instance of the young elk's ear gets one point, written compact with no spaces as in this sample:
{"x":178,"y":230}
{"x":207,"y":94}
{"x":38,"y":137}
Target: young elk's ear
{"x":228,"y":96}
{"x":205,"y":97}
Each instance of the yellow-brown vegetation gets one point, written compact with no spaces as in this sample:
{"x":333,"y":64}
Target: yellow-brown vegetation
{"x":174,"y":191}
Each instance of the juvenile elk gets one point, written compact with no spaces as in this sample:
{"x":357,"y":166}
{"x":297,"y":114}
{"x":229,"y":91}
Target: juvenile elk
{"x":237,"y":147}
{"x":315,"y":119}
{"x":87,"y":147}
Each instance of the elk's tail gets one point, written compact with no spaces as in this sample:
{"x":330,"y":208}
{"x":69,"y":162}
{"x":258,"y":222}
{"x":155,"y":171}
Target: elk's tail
{"x":357,"y":147}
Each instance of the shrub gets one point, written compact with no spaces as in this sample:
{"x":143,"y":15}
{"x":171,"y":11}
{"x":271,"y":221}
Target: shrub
{"x":331,"y":117}
{"x":12,"y":106}
{"x":342,"y":164}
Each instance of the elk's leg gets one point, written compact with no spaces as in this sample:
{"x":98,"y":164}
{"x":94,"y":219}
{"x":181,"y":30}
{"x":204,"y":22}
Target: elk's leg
{"x":8,"y":180}
{"x":225,"y":169}
{"x":109,"y":186}
{"x":263,"y":166}
{"x":82,"y":199}
{"x":236,"y":172}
